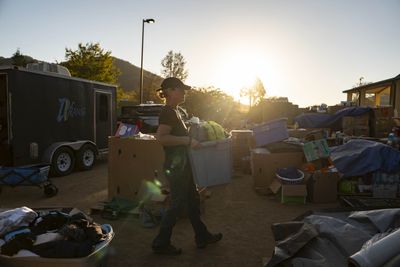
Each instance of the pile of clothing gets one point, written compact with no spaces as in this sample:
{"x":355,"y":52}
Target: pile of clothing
{"x":207,"y":131}
{"x":49,"y":234}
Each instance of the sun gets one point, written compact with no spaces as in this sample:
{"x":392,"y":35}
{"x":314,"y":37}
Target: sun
{"x":238,"y":70}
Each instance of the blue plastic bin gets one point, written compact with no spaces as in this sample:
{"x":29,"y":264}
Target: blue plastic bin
{"x":270,"y":132}
{"x":212,"y":163}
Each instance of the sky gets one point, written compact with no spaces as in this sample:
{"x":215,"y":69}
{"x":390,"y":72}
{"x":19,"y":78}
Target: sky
{"x":307,"y":50}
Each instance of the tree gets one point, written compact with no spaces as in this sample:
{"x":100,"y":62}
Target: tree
{"x":212,"y":104}
{"x":255,"y":93}
{"x":91,"y":62}
{"x":18,"y":59}
{"x":174,"y":66}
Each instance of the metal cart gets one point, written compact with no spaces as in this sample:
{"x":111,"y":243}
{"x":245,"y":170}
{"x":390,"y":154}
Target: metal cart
{"x":32,"y":175}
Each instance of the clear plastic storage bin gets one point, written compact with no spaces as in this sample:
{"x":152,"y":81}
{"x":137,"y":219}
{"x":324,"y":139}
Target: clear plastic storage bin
{"x":212,"y":163}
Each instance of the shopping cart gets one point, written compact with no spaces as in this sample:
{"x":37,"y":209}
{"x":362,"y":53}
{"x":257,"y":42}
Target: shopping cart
{"x":32,"y":175}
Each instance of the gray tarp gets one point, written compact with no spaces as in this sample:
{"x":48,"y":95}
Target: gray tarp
{"x":358,"y":157}
{"x":328,"y":239}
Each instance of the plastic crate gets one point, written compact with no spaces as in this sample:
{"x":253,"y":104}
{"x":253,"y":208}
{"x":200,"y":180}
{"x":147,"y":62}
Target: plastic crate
{"x":211,"y":163}
{"x":270,"y":132}
{"x":96,"y":259}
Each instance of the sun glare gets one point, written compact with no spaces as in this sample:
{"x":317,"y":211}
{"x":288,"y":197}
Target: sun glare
{"x":238,"y":70}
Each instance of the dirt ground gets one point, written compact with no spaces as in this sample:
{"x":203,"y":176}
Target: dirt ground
{"x":243,"y":216}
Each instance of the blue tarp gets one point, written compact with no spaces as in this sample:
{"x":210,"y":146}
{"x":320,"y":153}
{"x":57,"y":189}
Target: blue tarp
{"x":358,"y":157}
{"x":318,"y":120}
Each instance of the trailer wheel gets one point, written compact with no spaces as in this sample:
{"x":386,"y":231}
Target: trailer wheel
{"x":63,"y":161}
{"x":86,"y":157}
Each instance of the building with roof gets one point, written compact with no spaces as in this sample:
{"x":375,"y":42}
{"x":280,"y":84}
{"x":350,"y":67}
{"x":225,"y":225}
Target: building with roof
{"x":385,"y":93}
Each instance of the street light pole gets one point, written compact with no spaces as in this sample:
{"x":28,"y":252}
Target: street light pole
{"x":141,"y":58}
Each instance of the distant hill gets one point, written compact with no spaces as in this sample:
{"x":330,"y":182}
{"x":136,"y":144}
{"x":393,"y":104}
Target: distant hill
{"x":129,"y":78}
{"x":9,"y":61}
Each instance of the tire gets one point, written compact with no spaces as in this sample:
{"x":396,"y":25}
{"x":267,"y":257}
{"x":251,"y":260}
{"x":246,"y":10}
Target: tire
{"x":50,"y":190}
{"x":86,"y":157}
{"x":63,"y":161}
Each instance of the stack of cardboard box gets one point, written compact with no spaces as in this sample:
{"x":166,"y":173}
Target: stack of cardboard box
{"x":264,"y":163}
{"x":319,"y":184}
{"x":382,"y":121}
{"x":241,"y":143}
{"x":356,"y":126}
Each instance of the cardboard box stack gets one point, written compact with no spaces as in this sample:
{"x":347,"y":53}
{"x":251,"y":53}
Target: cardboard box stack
{"x":356,"y":126}
{"x":241,"y":143}
{"x":312,"y":161}
{"x":382,"y":121}
{"x":264,"y":163}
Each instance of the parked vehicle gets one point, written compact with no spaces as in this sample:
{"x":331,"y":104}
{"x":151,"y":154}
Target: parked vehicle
{"x":145,"y":116}
{"x":53,"y":119}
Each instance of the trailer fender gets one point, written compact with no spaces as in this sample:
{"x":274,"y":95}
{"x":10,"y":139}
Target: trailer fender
{"x":75,"y":146}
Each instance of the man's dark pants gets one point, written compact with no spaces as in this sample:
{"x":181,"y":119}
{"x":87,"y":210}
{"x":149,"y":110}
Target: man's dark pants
{"x":183,"y":195}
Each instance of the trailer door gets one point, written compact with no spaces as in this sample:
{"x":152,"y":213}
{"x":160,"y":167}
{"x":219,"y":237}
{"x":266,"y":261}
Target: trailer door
{"x":5,"y":134}
{"x":103,"y":118}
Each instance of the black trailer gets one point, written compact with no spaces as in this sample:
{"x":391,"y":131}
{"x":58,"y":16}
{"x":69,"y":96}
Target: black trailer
{"x":53,"y":119}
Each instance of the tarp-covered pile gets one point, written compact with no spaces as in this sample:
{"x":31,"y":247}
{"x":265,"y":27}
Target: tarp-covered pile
{"x":363,"y":238}
{"x":358,"y":157}
{"x":321,"y":120}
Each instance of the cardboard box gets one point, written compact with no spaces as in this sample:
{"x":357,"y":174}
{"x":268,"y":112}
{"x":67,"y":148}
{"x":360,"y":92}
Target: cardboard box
{"x":289,"y":193}
{"x":264,"y":164}
{"x":129,"y":162}
{"x":240,"y":151}
{"x":294,"y":190}
{"x":322,"y":187}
